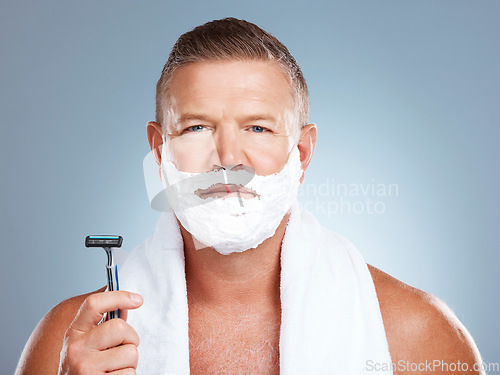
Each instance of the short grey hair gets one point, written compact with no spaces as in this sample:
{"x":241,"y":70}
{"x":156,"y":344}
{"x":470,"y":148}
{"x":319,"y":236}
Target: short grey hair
{"x":233,"y":39}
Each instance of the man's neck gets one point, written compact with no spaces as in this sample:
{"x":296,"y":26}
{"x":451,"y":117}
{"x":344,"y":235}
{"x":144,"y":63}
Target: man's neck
{"x":250,"y":279}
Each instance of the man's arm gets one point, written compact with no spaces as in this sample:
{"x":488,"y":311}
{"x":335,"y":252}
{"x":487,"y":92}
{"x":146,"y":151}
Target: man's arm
{"x":423,"y":334}
{"x":41,"y":353}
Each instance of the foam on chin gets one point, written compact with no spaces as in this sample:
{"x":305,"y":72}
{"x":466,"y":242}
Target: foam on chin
{"x":232,"y":224}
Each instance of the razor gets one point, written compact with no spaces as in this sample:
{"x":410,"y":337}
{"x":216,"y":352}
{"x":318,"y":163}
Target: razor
{"x":107,"y":242}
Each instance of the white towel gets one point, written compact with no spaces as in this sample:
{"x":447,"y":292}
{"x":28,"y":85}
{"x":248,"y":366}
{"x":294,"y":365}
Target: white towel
{"x":331,"y":321}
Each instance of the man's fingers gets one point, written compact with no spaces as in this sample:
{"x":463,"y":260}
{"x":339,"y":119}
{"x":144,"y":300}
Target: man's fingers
{"x":112,"y":333}
{"x":121,"y":357}
{"x":97,"y":304}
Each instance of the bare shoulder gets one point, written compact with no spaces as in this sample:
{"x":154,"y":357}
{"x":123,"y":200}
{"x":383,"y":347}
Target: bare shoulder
{"x":44,"y":345}
{"x":420,"y":327}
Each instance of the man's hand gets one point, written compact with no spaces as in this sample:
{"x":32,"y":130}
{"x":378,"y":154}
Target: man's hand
{"x":110,"y":347}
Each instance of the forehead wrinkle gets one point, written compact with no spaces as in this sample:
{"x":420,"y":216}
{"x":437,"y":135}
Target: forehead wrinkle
{"x":252,"y":81}
{"x":241,"y":94}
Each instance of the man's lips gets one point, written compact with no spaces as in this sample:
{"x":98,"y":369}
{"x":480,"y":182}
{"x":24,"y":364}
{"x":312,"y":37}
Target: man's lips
{"x":225,"y":190}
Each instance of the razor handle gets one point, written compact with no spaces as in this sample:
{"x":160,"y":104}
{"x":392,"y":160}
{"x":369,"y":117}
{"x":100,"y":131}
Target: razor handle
{"x":112,"y":273}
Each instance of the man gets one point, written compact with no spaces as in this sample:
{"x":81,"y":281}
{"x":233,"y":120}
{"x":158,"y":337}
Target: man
{"x":274,"y":292}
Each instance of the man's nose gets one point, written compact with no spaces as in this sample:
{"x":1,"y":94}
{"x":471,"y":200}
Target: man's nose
{"x":229,"y":146}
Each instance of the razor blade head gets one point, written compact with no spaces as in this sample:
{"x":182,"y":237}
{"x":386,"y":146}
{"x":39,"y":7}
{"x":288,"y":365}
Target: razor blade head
{"x":103,"y":241}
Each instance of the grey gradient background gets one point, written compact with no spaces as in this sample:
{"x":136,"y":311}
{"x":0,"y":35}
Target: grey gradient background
{"x":403,"y":92}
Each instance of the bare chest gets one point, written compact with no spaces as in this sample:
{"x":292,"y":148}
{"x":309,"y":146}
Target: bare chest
{"x":247,"y":345}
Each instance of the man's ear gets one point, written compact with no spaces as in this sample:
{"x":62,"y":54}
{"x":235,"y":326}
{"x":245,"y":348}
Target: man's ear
{"x":155,"y":140}
{"x":307,"y":142}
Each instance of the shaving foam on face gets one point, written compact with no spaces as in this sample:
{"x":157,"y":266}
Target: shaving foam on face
{"x":232,"y":223}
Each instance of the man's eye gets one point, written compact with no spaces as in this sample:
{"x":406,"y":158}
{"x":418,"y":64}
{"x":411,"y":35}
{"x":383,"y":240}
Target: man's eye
{"x":258,"y":129}
{"x":195,"y":128}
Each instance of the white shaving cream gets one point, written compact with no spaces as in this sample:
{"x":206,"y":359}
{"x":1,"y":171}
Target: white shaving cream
{"x":232,"y":223}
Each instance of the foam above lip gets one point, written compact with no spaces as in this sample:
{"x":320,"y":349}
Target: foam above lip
{"x":205,"y":180}
{"x":224,"y":189}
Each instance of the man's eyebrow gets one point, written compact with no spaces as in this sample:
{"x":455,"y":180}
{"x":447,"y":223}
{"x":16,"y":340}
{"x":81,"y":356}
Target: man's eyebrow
{"x":191,"y":116}
{"x":259,"y":118}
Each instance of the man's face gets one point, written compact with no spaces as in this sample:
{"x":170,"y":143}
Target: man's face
{"x":228,"y":113}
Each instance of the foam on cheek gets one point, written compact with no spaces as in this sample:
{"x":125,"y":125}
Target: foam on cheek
{"x":292,"y":129}
{"x":166,"y":152}
{"x":170,"y":117}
